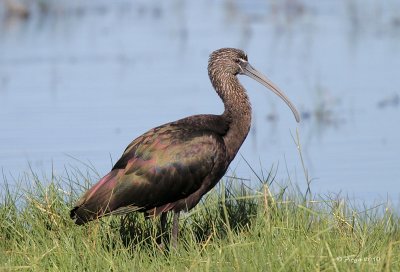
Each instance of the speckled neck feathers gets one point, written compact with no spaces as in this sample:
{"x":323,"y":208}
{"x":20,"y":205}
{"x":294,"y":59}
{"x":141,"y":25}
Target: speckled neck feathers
{"x":222,"y":71}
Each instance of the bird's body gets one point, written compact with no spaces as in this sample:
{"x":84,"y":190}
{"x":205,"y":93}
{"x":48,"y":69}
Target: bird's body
{"x":167,"y":168}
{"x":172,"y":166}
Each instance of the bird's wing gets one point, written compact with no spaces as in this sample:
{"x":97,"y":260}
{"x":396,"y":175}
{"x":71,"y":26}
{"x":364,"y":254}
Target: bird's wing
{"x":166,"y":164}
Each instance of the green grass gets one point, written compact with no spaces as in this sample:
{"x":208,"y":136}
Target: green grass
{"x":272,"y":228}
{"x":269,"y":227}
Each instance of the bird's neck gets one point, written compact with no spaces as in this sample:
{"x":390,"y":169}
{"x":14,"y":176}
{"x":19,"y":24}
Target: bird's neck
{"x":237,"y":112}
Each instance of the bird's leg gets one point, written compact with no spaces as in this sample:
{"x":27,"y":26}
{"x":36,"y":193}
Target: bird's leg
{"x":175,"y":228}
{"x":163,"y":222}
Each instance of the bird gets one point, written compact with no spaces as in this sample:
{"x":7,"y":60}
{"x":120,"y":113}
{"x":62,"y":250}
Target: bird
{"x":170,"y":167}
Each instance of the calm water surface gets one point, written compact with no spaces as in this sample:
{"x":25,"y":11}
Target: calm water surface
{"x":81,"y":80}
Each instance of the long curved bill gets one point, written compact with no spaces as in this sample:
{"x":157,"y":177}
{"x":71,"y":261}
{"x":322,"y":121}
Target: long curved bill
{"x":249,"y":71}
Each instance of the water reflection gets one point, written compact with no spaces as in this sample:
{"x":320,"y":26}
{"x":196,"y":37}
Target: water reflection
{"x":392,"y":100}
{"x":85,"y":78}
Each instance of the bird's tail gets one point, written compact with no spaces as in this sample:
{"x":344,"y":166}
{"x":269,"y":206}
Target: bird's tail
{"x":97,"y":201}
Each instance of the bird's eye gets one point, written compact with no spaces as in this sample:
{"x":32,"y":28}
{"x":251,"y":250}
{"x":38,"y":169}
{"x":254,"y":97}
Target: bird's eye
{"x":240,"y":60}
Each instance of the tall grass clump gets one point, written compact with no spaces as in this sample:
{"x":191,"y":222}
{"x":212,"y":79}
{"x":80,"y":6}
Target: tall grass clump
{"x":270,"y":227}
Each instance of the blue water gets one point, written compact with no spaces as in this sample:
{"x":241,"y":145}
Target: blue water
{"x":83,"y":79}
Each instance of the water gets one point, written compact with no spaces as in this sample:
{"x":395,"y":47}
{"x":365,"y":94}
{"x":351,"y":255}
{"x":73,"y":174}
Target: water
{"x":80,"y":80}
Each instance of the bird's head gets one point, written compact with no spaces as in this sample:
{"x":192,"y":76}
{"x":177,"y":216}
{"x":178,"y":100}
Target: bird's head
{"x":228,"y":62}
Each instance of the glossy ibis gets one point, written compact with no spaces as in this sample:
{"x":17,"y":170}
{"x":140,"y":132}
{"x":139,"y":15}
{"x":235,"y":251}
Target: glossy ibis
{"x":170,"y":167}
